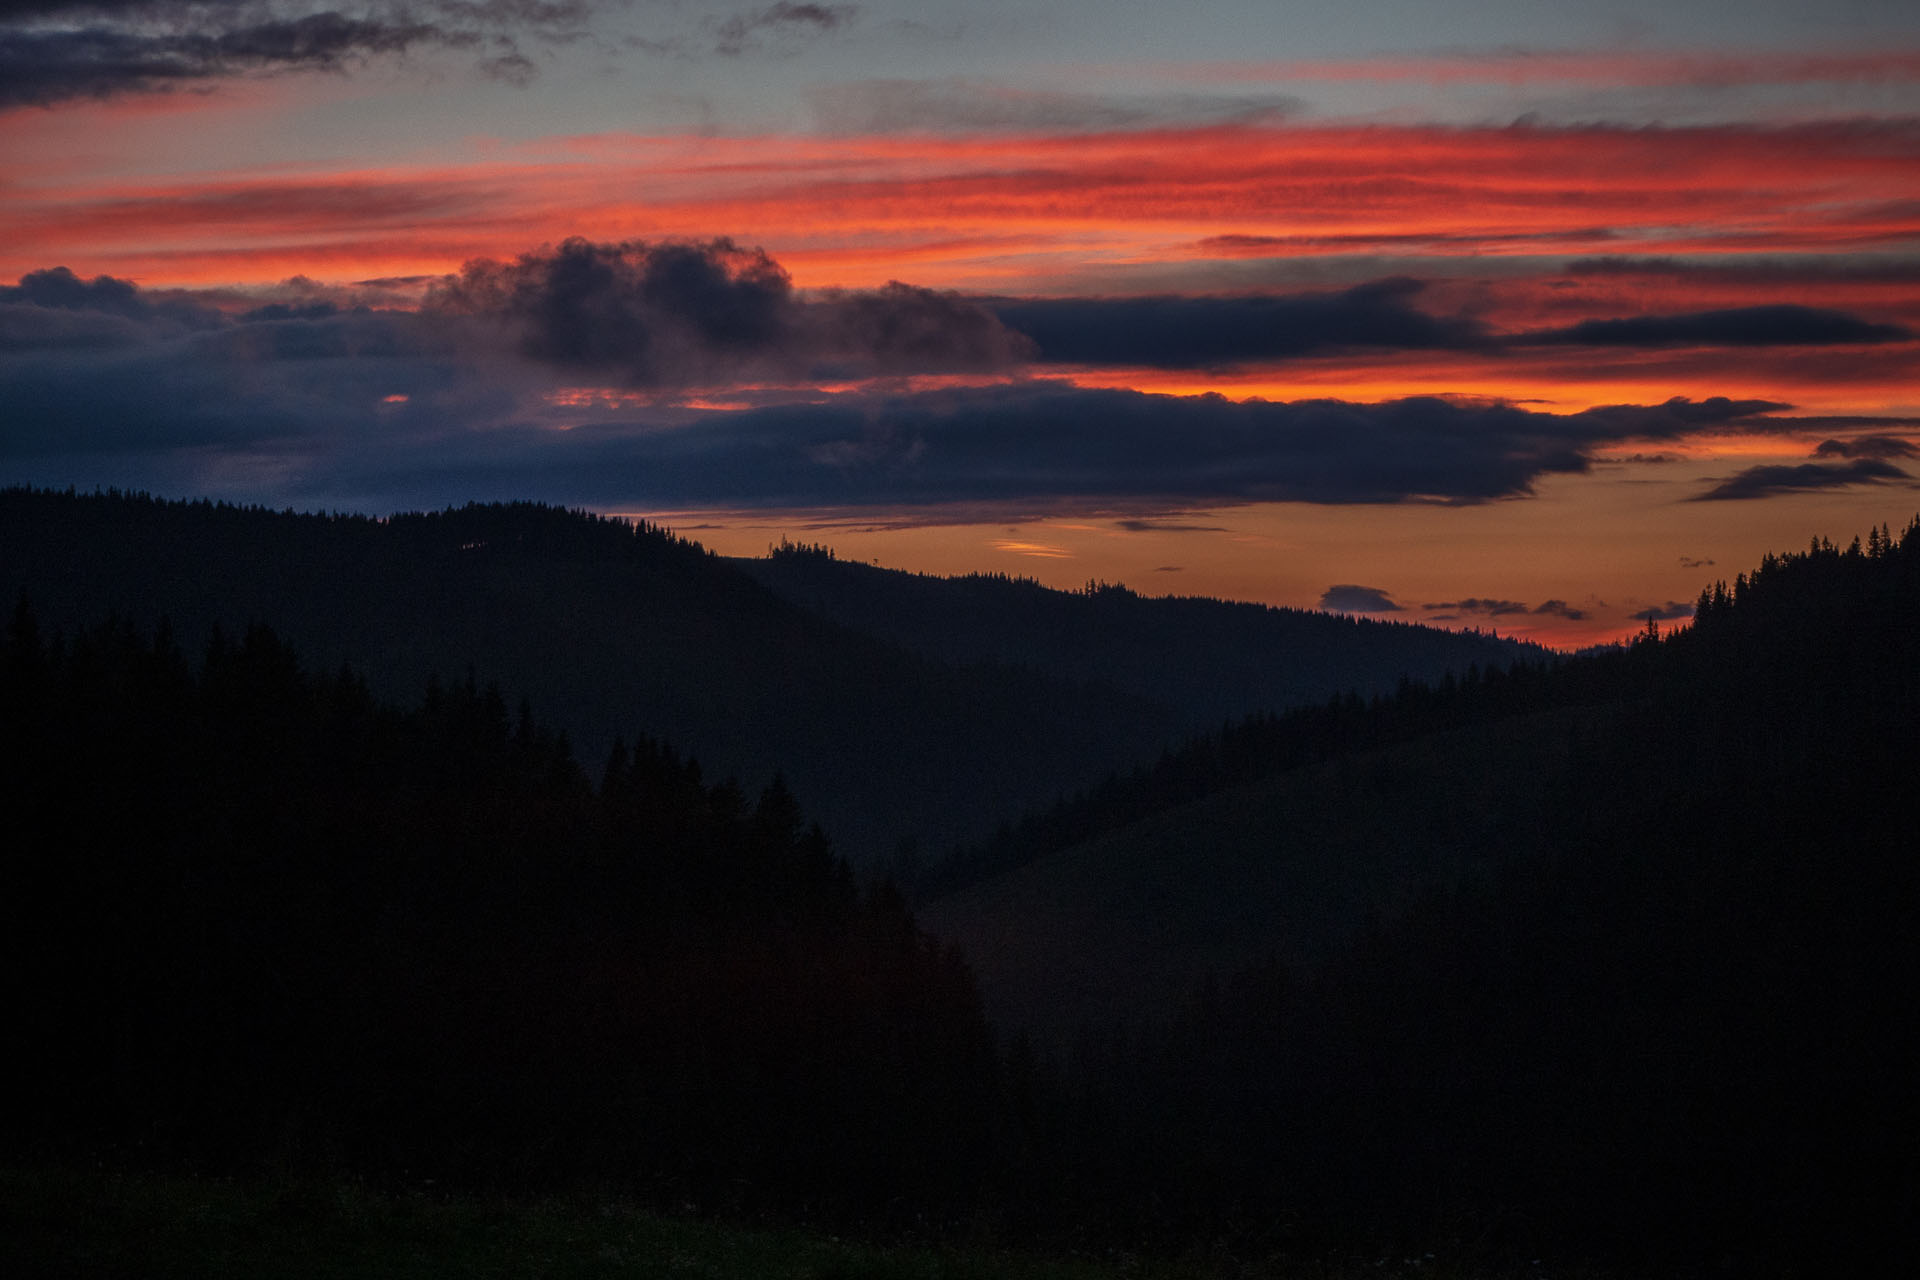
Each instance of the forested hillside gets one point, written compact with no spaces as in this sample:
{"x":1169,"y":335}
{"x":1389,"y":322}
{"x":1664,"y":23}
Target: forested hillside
{"x":253,"y":918}
{"x":1606,"y":959}
{"x":1651,"y":998}
{"x":1210,"y":661}
{"x":605,"y":627}
{"x":908,"y":709}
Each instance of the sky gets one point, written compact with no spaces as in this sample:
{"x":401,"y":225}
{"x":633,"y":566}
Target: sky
{"x":1533,"y":317}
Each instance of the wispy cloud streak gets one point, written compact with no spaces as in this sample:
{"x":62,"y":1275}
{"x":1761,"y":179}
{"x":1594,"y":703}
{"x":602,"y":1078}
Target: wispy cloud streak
{"x":1046,"y":203}
{"x":54,"y":51}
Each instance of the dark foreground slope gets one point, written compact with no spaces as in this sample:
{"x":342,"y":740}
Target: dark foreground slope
{"x":1208,"y":660}
{"x":1283,"y":868}
{"x":255,"y":919}
{"x":1658,"y":1007}
{"x":1653,"y":996}
{"x":609,"y":631}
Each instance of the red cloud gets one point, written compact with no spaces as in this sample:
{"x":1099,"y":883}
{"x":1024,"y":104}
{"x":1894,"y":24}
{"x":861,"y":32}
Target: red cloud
{"x":1033,"y":204}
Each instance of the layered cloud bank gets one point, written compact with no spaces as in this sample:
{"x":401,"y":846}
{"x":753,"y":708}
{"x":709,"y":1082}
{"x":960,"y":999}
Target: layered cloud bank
{"x":589,"y":372}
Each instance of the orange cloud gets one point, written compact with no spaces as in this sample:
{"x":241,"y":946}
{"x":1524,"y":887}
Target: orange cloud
{"x":1562,"y":381}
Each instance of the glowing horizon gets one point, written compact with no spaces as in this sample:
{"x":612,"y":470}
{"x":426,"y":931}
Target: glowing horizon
{"x":1523,"y":286}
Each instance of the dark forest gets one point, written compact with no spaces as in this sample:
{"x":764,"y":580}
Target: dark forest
{"x":1623,"y":968}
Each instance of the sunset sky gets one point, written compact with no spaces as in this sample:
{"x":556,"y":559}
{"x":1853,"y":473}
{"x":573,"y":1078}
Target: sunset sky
{"x":1531,"y":316}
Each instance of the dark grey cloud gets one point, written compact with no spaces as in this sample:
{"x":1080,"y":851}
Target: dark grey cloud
{"x":95,"y":370}
{"x":252,"y":395}
{"x":1681,"y":416}
{"x":314,"y":397}
{"x":1768,"y":480}
{"x":780,"y":26}
{"x":1347,"y":597}
{"x":1867,"y":447}
{"x":291,"y":311}
{"x":963,"y":105}
{"x":1671,"y":611}
{"x":1782,"y":324}
{"x":901,"y":328}
{"x":55,"y":309}
{"x":689,"y":314}
{"x":1175,"y":332}
{"x":1137,"y":525}
{"x":1220,"y":331}
{"x":1047,"y":442}
{"x":392,"y":282}
{"x":1694,"y":562}
{"x":1056,"y":440}
{"x":647,"y":314}
{"x":54,"y":51}
{"x":1475,"y":604}
{"x":1493,"y":607}
{"x":59,"y":287}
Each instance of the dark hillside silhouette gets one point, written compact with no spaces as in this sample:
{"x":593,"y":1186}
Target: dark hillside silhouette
{"x":1283,"y":866}
{"x":604,"y":626}
{"x":1659,"y":1008}
{"x":1609,"y":958}
{"x":1210,"y":661}
{"x":253,"y":918}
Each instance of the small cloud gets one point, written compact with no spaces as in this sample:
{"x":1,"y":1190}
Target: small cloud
{"x":1766,"y":326}
{"x":1488,"y":607}
{"x":1044,"y":551}
{"x":1474,"y":604}
{"x":1166,"y":526}
{"x":1867,"y":447}
{"x":1806,"y":477}
{"x":1346,"y":597}
{"x":785,"y":25}
{"x":1168,"y":568}
{"x":1694,"y":562}
{"x":1671,"y":611}
{"x":59,"y":287}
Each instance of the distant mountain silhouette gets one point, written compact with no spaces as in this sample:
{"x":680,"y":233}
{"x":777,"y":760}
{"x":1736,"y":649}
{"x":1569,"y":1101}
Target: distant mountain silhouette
{"x":1209,"y":660}
{"x":615,"y":631}
{"x":608,"y":630}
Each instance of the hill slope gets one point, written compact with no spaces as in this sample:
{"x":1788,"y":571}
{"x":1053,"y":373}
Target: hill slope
{"x":1209,"y":660}
{"x":884,"y":728}
{"x":609,"y":631}
{"x":1279,"y":838}
{"x":1627,"y":962}
{"x":1285,"y":869}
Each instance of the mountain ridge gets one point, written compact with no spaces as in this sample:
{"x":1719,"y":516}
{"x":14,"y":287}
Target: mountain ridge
{"x":611,"y":631}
